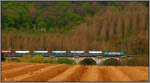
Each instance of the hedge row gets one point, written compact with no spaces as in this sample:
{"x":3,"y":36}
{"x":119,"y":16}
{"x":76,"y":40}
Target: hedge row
{"x":41,"y":59}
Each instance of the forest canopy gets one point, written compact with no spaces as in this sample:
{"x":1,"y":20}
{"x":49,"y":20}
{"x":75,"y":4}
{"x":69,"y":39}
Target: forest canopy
{"x":47,"y":16}
{"x":44,"y":15}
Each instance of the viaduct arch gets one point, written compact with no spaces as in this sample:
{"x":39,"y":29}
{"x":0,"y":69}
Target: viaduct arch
{"x":98,"y":60}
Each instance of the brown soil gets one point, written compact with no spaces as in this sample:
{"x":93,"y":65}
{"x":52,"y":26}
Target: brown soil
{"x":22,"y":72}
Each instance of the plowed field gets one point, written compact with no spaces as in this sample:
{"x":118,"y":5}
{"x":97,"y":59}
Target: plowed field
{"x":13,"y":71}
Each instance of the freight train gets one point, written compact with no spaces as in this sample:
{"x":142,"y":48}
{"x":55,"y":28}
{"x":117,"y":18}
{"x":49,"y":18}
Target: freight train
{"x":63,"y":53}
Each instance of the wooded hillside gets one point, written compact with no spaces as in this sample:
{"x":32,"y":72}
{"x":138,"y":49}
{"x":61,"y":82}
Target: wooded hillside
{"x":110,"y":26}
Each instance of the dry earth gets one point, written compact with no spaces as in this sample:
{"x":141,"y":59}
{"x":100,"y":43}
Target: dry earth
{"x":18,"y":71}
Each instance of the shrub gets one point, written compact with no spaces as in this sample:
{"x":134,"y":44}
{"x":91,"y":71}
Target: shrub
{"x":47,"y":60}
{"x":111,"y":62}
{"x":65,"y":61}
{"x":33,"y":59}
{"x":37,"y":58}
{"x":15,"y":59}
{"x":51,"y":60}
{"x":88,"y":61}
{"x":26,"y":58}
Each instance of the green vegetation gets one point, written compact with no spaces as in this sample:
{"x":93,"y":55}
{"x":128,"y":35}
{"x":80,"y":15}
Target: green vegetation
{"x":44,"y":16}
{"x":34,"y":59}
{"x":137,"y":60}
{"x":65,"y":61}
{"x":13,"y":59}
{"x":41,"y":59}
{"x":111,"y":62}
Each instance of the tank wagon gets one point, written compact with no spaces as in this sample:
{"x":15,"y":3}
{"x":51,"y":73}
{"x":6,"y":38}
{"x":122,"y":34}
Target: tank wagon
{"x":43,"y":53}
{"x":20,"y":53}
{"x":77,"y":53}
{"x":95,"y":53}
{"x":113,"y":54}
{"x":58,"y":53}
{"x":8,"y":53}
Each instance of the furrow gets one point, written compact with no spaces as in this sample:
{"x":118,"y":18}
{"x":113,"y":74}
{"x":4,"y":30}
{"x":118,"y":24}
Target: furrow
{"x":29,"y":75}
{"x":135,"y":74}
{"x":114,"y":74}
{"x":13,"y":66}
{"x":92,"y":74}
{"x":71,"y":74}
{"x":47,"y":74}
{"x":21,"y":72}
{"x":17,"y":69}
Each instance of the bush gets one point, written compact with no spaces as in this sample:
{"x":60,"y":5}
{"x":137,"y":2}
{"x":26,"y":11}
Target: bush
{"x":47,"y":60}
{"x":50,"y":60}
{"x":111,"y":62}
{"x":8,"y":59}
{"x":88,"y":61}
{"x":41,"y":59}
{"x":37,"y":58}
{"x":15,"y":59}
{"x":65,"y":61}
{"x":26,"y":58}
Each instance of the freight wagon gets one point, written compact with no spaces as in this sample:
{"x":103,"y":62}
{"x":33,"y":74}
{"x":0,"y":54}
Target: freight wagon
{"x":63,"y":53}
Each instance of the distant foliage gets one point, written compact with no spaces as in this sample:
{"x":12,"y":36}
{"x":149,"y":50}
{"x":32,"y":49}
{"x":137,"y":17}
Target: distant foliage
{"x":65,"y":61}
{"x":15,"y":60}
{"x":111,"y":62}
{"x":43,"y":16}
{"x":41,"y":59}
{"x":36,"y":59}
